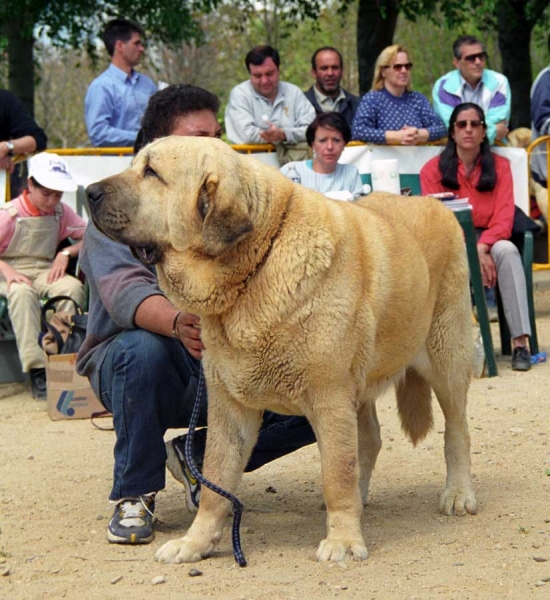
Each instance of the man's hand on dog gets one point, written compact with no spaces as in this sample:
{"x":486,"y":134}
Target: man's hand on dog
{"x":157,"y":314}
{"x":189,"y":333}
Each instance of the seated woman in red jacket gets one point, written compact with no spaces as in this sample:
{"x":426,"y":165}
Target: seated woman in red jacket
{"x":469,"y":168}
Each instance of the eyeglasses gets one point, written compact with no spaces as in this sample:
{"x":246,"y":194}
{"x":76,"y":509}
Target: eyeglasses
{"x":473,"y":123}
{"x":400,"y":67}
{"x":471,"y":58}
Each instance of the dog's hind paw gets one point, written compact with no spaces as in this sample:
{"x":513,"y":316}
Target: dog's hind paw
{"x":458,"y":502}
{"x":180,"y":551}
{"x":335,"y":550}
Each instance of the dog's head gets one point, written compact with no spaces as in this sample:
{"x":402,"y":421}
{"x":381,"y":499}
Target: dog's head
{"x":519,"y":138}
{"x":181,"y":193}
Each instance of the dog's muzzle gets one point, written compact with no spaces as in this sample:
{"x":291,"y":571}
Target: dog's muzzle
{"x":95,"y":197}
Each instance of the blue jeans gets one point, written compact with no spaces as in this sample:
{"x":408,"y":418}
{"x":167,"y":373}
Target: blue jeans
{"x":279,"y":435}
{"x":149,"y":383}
{"x":490,"y":296}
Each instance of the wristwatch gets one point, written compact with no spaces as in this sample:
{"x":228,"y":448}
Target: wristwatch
{"x":66,"y":252}
{"x":10,"y":147}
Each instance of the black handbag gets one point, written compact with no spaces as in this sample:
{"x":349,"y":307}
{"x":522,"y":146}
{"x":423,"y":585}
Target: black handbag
{"x":62,"y":333}
{"x":522,"y":224}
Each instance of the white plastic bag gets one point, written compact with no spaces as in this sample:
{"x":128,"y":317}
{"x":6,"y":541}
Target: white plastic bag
{"x":478,"y":358}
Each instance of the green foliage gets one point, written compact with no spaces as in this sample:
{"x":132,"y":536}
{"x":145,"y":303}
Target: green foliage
{"x":454,"y":12}
{"x":214,"y":58}
{"x":458,"y":13}
{"x":75,"y":23}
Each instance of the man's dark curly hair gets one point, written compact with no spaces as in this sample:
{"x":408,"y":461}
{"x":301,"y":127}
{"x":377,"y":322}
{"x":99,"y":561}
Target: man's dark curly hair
{"x":169,"y":104}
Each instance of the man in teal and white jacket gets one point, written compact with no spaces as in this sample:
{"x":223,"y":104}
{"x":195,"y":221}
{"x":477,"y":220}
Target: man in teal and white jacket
{"x":472,"y":82}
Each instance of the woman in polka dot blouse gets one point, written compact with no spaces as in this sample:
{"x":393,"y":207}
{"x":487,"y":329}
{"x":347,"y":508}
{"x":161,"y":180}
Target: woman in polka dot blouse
{"x":391,"y":113}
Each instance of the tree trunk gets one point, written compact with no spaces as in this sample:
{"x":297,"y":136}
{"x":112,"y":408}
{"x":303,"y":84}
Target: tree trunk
{"x":376,"y":21}
{"x":514,"y":39}
{"x":21,"y":65}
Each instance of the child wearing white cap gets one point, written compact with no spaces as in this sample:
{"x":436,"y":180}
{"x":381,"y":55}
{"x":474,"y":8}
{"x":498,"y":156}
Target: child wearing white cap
{"x":31,"y":229}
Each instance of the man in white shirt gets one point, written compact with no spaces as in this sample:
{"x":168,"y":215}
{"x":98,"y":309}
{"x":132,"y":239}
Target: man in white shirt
{"x":265,"y":110}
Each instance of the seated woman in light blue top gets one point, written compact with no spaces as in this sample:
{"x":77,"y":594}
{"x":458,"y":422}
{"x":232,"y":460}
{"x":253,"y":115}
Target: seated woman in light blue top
{"x":327,"y":136}
{"x":391,"y":113}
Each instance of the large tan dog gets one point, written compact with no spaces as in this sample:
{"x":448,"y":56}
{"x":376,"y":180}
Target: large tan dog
{"x":308,"y":306}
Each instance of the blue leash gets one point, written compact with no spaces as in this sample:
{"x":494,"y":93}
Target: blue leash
{"x":237,"y":504}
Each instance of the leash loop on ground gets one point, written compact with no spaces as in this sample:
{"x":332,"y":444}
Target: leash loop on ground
{"x":237,"y":504}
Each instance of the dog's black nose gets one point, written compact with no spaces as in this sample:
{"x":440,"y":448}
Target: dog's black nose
{"x":95,"y":195}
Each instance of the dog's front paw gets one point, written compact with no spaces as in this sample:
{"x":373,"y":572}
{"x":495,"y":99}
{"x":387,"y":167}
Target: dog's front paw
{"x":336,"y":550}
{"x":458,"y":501}
{"x":182,"y":550}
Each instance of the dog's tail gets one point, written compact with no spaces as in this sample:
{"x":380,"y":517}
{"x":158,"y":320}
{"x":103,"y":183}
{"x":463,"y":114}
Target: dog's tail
{"x":414,"y":404}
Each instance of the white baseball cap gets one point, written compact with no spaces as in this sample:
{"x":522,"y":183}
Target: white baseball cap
{"x":52,"y":172}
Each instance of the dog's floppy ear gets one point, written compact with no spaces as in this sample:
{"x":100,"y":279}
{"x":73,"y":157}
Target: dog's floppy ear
{"x":225,"y":217}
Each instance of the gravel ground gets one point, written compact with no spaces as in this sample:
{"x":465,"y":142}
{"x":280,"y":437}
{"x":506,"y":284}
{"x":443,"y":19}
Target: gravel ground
{"x":55,"y":479}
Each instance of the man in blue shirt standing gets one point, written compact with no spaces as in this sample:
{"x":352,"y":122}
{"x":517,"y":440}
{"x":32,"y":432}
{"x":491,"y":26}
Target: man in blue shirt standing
{"x":116,"y":100}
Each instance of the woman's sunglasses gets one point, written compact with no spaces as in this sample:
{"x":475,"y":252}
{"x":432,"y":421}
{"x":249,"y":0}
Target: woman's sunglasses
{"x":400,"y":67}
{"x":474,"y":123}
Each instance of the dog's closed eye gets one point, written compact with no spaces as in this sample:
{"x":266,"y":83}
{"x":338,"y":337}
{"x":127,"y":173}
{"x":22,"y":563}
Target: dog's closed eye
{"x":149,"y":172}
{"x":204,"y":202}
